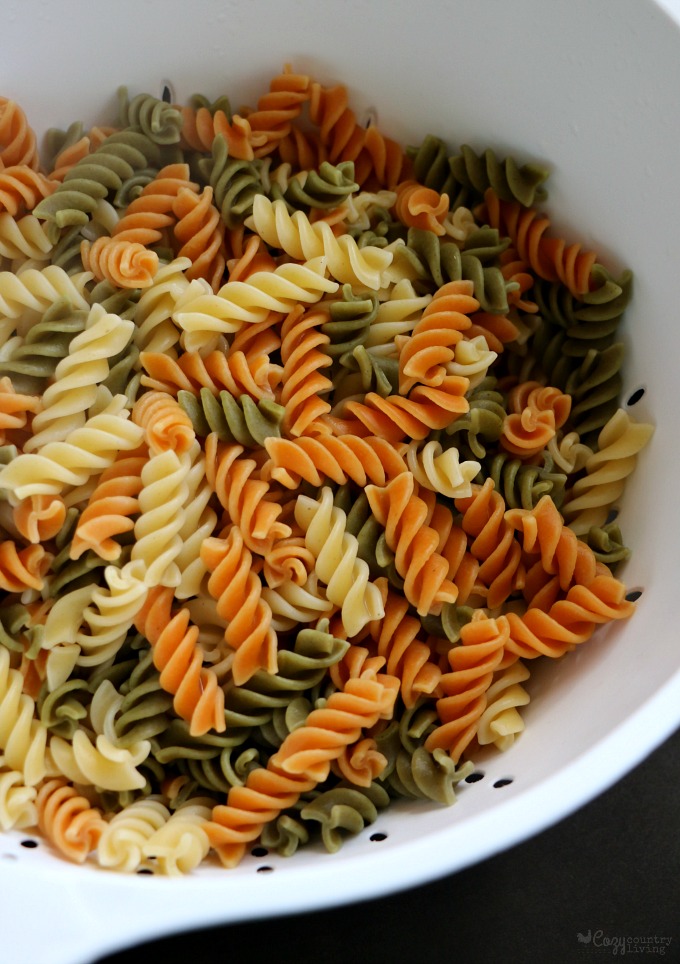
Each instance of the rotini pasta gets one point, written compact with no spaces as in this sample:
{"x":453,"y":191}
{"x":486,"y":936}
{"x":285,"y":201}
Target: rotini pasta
{"x":308,"y":444}
{"x":18,"y":143}
{"x":304,"y":241}
{"x":337,"y":563}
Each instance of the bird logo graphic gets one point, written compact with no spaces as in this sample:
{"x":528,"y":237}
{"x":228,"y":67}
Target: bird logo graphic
{"x":585,"y":938}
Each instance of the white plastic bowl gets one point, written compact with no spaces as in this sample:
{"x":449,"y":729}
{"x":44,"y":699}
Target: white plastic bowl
{"x":591,"y":88}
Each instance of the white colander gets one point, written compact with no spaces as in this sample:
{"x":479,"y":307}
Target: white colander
{"x":590,"y":88}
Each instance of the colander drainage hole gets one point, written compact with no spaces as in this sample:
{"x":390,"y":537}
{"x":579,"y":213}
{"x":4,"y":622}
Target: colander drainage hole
{"x":259,"y":852}
{"x":633,"y":595}
{"x":166,"y":92}
{"x":265,"y":869}
{"x":378,"y":837}
{"x":474,"y":777}
{"x":146,"y":871}
{"x":504,"y":782}
{"x":369,"y":118}
{"x":635,"y":396}
{"x":29,"y":844}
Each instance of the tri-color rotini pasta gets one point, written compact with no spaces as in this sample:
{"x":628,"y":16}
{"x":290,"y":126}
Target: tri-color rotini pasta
{"x":309,"y":445}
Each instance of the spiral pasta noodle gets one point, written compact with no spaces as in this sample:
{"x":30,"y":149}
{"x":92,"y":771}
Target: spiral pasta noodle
{"x":109,"y":510}
{"x":178,"y":655}
{"x":337,"y":563}
{"x":18,"y":143}
{"x":73,"y":391}
{"x":239,"y":598}
{"x":67,"y":819}
{"x":501,"y":723}
{"x":406,"y":657}
{"x":75,"y":198}
{"x":405,"y":517}
{"x":201,"y":315}
{"x":473,"y":663}
{"x":304,"y":241}
{"x":550,"y":258}
{"x":501,"y":569}
{"x":22,"y":188}
{"x":126,"y":264}
{"x":303,"y":380}
{"x":23,"y":740}
{"x":23,"y":238}
{"x":619,"y":443}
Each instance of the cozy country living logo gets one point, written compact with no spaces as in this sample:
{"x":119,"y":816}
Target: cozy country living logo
{"x":620,"y":944}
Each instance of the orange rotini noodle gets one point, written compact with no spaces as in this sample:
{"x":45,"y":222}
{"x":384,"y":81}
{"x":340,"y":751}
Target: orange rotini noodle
{"x":536,"y":412}
{"x":357,"y":662}
{"x":569,"y":621}
{"x":527,"y":434}
{"x":397,"y":637}
{"x":498,"y":330}
{"x":245,"y":497}
{"x":271,"y":121}
{"x":404,"y":517}
{"x":335,"y":457}
{"x":516,"y":272}
{"x":22,"y":568}
{"x":303,"y":382}
{"x":310,"y":749}
{"x":421,"y":207}
{"x":396,"y":418}
{"x":200,"y":232}
{"x":360,"y":763}
{"x":501,"y":570}
{"x":235,"y":585}
{"x":266,"y":792}
{"x":236,"y":373}
{"x":110,"y":509}
{"x":261,"y":338}
{"x":300,"y":763}
{"x":150,"y":217}
{"x":125,"y":264}
{"x":378,"y":160}
{"x":453,"y":546}
{"x":18,"y":144}
{"x":473,"y":664}
{"x":339,"y":130}
{"x":565,"y":560}
{"x":542,"y":398}
{"x":39,"y":517}
{"x":165,"y":423}
{"x":288,"y":561}
{"x":200,"y":128}
{"x":303,"y":150}
{"x":68,"y":820}
{"x":254,"y":257}
{"x":16,"y":408}
{"x":178,"y":655}
{"x":550,"y":258}
{"x":21,"y":188}
{"x":425,"y":353}
{"x":389,"y":162}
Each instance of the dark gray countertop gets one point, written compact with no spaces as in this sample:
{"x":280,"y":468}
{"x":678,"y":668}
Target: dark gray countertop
{"x":602,"y":885}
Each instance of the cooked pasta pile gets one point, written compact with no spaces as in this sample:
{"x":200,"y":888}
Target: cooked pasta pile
{"x":309,"y":447}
